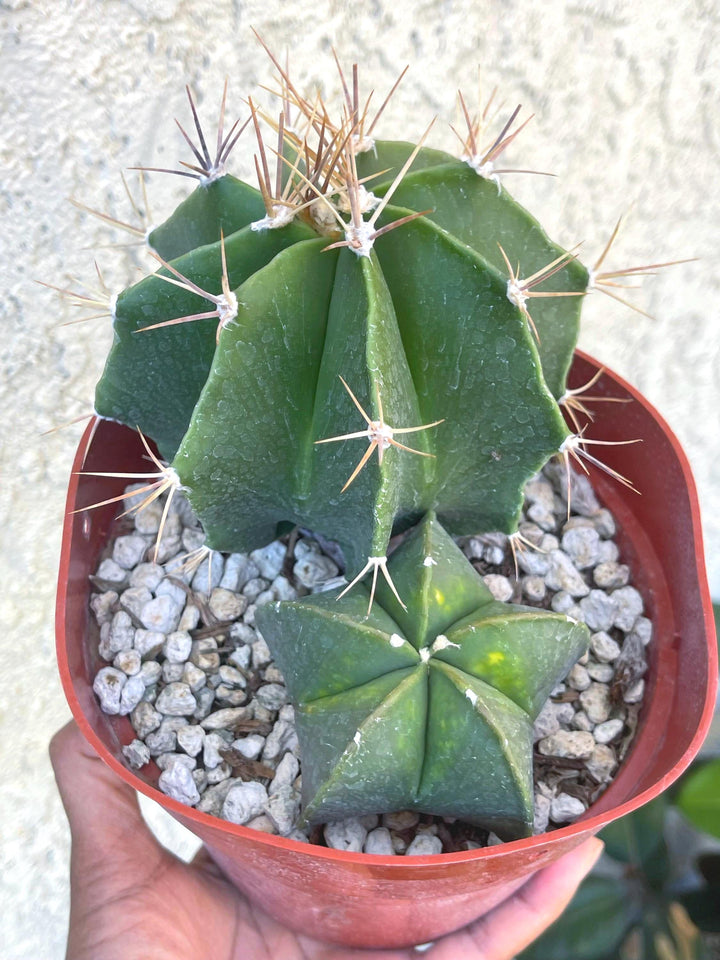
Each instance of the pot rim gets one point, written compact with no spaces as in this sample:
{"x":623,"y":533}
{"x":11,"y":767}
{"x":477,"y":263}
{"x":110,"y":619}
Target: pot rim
{"x":585,"y":825}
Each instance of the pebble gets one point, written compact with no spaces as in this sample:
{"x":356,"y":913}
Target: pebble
{"x":239,"y":568}
{"x":347,"y":834}
{"x":173,"y":590}
{"x":572,"y":744}
{"x":534,"y":588}
{"x":581,"y":721}
{"x":132,"y":693}
{"x":147,"y":520}
{"x":136,"y":754}
{"x":193,"y":676}
{"x":285,"y":773}
{"x":270,"y":559}
{"x":212,"y":745}
{"x":562,"y":575}
{"x":610,"y":575}
{"x":161,"y":614}
{"x":148,"y":643}
{"x":499,"y":586}
{"x":313,"y":570}
{"x":244,"y":801}
{"x":565,"y":808}
{"x":607,"y":731}
{"x":209,"y":573}
{"x":541,"y":815}
{"x":602,"y":672}
{"x":263,"y":823}
{"x":642,"y":631}
{"x":608,"y":552}
{"x":177,"y":646}
{"x":629,"y":606}
{"x":581,"y":544}
{"x":225,"y":718}
{"x":171,"y":672}
{"x":150,"y":672}
{"x":596,"y":702}
{"x":176,"y":700}
{"x":190,"y":618}
{"x":178,"y":783}
{"x":128,"y":551}
{"x":250,"y":746}
{"x":601,"y":763}
{"x":191,"y":739}
{"x":203,"y":653}
{"x":424,"y":845}
{"x":253,"y":588}
{"x":102,"y":605}
{"x":604,"y":523}
{"x":226,"y":605}
{"x":533,"y":562}
{"x":579,"y":678}
{"x":598,"y":610}
{"x":213,"y":798}
{"x":108,"y":686}
{"x":604,"y":648}
{"x":145,"y":718}
{"x":128,"y":661}
{"x":164,"y":739}
{"x":379,"y":842}
{"x":283,"y":807}
{"x":122,"y":632}
{"x":635,"y":692}
{"x":550,"y":718}
{"x":111,"y":572}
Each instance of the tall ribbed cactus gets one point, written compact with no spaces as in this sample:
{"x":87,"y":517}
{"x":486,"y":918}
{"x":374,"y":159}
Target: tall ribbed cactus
{"x":358,"y":363}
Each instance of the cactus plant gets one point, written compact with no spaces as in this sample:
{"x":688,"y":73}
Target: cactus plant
{"x":363,"y":364}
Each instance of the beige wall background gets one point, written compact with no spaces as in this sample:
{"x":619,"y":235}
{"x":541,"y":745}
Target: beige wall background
{"x":627,"y":116}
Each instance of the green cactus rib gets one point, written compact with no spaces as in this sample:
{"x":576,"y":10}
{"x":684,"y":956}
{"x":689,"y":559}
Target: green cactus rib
{"x":439,"y":339}
{"x":479,"y":214}
{"x":428,"y":708}
{"x":152,"y":380}
{"x":223,"y":205}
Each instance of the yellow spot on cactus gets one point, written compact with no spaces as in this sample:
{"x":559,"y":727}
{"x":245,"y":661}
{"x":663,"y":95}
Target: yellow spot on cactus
{"x":439,"y":596}
{"x":494,"y":658}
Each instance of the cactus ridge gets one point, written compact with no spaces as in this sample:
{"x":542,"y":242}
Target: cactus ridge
{"x":416,"y":703}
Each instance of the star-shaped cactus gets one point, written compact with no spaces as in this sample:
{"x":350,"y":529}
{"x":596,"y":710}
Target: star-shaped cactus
{"x":428,"y":708}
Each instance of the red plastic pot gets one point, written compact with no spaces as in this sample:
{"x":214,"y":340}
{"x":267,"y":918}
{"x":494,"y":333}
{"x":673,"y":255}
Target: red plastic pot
{"x":376,"y":901}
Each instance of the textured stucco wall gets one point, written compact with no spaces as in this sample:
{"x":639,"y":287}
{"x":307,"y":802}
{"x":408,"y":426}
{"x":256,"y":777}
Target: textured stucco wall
{"x":625,"y":114}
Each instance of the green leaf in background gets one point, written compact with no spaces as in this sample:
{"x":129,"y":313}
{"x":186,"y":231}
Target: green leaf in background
{"x":699,"y":798}
{"x":593,"y":926}
{"x":637,"y":840}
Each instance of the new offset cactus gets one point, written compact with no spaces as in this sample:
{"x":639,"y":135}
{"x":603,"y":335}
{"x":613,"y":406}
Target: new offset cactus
{"x":361,"y":364}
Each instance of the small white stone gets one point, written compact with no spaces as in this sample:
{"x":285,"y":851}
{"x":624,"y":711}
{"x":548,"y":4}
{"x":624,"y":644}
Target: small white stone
{"x":225,"y":718}
{"x":607,"y":731}
{"x":379,"y":842}
{"x":145,"y":719}
{"x":191,"y":739}
{"x":148,"y":643}
{"x":193,"y":676}
{"x":499,"y":586}
{"x":128,"y":661}
{"x":271,"y":695}
{"x":565,"y":808}
{"x":534,"y":588}
{"x":598,"y":610}
{"x":610,"y":575}
{"x":595,"y":702}
{"x":347,"y":834}
{"x":562,"y":575}
{"x":635,"y":692}
{"x":150,"y":671}
{"x":424,"y":845}
{"x":177,"y":646}
{"x":603,"y":647}
{"x":573,"y":744}
{"x":578,"y":678}
{"x":203,"y":653}
{"x":601,"y":672}
{"x":111,"y":572}
{"x":270,"y":559}
{"x":102,"y":605}
{"x":128,"y":551}
{"x":122,"y":632}
{"x":178,"y":783}
{"x":239,"y":568}
{"x":244,"y":801}
{"x":581,"y":544}
{"x":176,"y":700}
{"x":136,"y":754}
{"x":108,"y":686}
{"x":166,"y":760}
{"x":132,"y":694}
{"x":629,"y":606}
{"x":608,"y":552}
{"x":211,"y":750}
{"x":161,"y":614}
{"x":172,"y":672}
{"x":285,"y":773}
{"x":581,"y":721}
{"x":601,"y":763}
{"x":250,"y":746}
{"x":209,"y":573}
{"x":168,"y":588}
{"x":148,"y":575}
{"x":226,"y":605}
{"x":542,"y":813}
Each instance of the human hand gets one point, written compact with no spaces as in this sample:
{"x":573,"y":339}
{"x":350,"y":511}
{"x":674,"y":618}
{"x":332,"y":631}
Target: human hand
{"x":133,"y":900}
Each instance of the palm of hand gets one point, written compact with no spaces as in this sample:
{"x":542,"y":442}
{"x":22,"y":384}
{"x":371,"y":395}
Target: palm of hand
{"x":132,"y":900}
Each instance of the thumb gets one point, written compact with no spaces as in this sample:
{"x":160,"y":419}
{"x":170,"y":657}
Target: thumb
{"x":103,"y":812}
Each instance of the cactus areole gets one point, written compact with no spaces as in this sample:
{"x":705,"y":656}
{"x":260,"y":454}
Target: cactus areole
{"x":353,"y":348}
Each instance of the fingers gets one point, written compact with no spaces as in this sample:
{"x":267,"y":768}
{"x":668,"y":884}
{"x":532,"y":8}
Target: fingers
{"x":102,"y":810}
{"x":511,"y":926}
